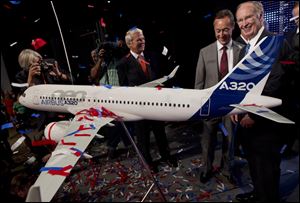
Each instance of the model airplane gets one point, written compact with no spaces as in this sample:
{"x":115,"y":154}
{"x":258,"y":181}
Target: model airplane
{"x":94,"y":106}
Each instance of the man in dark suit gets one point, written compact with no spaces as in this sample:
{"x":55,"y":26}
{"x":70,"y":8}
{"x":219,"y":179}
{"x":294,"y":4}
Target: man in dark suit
{"x":261,"y":138}
{"x":293,"y":85}
{"x":293,"y":36}
{"x":135,"y":69}
{"x":209,"y":71}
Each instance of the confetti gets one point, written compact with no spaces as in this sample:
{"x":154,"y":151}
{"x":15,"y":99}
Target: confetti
{"x":124,"y":179}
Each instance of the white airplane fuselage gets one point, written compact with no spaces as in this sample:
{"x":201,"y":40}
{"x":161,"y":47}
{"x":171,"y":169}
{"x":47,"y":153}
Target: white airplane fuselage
{"x":239,"y":89}
{"x":137,"y":103}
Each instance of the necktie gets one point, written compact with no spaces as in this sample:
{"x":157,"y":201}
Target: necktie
{"x":247,"y":48}
{"x":143,"y":64}
{"x":224,"y":62}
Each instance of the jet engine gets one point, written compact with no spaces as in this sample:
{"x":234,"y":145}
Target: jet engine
{"x":56,"y":130}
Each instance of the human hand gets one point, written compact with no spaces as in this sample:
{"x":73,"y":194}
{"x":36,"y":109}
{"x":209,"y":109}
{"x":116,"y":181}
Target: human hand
{"x":247,"y":122}
{"x":101,"y":53}
{"x":34,"y":69}
{"x":234,"y":118}
{"x":55,"y":70}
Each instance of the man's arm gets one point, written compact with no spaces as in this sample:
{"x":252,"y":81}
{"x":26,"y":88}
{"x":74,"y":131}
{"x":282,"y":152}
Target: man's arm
{"x":97,"y":68}
{"x":95,"y":71}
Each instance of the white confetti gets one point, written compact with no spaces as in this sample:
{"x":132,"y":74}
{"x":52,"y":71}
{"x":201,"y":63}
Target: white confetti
{"x":17,"y":143}
{"x":165,"y":51}
{"x":179,"y":151}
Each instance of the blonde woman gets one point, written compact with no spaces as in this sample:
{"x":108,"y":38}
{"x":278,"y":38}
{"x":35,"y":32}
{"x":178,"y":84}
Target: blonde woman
{"x":38,"y":71}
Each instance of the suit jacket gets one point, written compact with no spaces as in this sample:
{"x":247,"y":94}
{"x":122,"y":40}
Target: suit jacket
{"x":130,"y":71}
{"x":293,"y":39}
{"x":207,"y":71}
{"x":240,"y":40}
{"x":274,"y":86}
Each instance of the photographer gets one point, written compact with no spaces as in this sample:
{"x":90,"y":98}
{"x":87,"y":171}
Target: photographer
{"x":105,"y":59}
{"x":104,"y":72}
{"x":38,"y":71}
{"x":35,"y":71}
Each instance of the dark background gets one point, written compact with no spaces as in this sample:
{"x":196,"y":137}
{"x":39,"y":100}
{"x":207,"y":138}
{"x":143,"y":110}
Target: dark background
{"x":182,"y":26}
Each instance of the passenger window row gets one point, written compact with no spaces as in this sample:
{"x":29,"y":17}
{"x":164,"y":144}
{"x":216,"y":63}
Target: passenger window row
{"x":141,"y":103}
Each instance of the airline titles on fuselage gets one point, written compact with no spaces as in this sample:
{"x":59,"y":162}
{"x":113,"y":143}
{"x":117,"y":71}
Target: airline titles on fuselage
{"x":61,"y":98}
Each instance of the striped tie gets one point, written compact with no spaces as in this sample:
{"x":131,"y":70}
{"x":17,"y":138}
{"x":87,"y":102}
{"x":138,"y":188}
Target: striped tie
{"x":247,"y":48}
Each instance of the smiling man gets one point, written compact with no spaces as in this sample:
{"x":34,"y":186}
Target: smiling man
{"x":262,"y":140}
{"x":140,"y":67}
{"x":214,"y":62}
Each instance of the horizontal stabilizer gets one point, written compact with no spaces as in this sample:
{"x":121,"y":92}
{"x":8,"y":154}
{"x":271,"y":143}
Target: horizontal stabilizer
{"x":264,"y":112}
{"x":160,"y":81}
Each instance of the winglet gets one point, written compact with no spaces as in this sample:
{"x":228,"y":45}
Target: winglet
{"x":172,"y":74}
{"x":34,"y":194}
{"x":159,"y":81}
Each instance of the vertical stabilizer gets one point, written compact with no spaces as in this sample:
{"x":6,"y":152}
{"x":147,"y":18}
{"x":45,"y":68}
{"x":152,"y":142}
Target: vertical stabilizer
{"x":248,"y":76}
{"x":251,"y":73}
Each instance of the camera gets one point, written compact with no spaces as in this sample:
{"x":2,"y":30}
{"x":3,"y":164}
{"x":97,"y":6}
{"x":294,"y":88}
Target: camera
{"x":47,"y":64}
{"x":113,"y":49}
{"x":109,"y":47}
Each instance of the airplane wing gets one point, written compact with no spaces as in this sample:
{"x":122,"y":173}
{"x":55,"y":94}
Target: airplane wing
{"x":264,"y":112}
{"x":160,"y":81}
{"x":78,"y":136}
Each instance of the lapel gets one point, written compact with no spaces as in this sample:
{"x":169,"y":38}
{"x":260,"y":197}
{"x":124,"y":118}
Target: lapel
{"x":263,"y":34}
{"x":236,"y":52}
{"x":148,"y":60}
{"x":213,"y":56}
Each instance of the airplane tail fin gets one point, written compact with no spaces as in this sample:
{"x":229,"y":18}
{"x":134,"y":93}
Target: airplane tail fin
{"x":251,"y":73}
{"x":248,"y":76}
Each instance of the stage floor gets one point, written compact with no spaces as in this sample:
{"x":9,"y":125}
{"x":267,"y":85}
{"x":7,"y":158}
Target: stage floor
{"x":123,"y":179}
